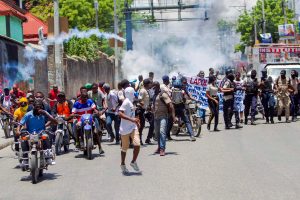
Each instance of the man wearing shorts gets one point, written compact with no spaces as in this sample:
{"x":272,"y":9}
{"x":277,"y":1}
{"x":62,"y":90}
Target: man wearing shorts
{"x":129,"y":129}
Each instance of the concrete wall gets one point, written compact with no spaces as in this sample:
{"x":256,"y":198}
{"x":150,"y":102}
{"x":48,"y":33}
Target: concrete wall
{"x":78,"y":72}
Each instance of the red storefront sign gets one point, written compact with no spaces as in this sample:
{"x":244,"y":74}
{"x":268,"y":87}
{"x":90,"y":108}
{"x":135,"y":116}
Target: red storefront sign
{"x":279,"y":50}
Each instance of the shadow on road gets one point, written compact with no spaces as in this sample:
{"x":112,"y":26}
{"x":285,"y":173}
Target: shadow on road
{"x":133,"y":174}
{"x":45,"y":177}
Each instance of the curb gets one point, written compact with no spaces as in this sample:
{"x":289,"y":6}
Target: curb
{"x":6,"y":143}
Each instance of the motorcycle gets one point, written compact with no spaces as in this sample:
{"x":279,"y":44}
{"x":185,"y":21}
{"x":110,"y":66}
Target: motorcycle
{"x":89,"y":136}
{"x":195,"y":119}
{"x":62,"y":135}
{"x":5,"y":121}
{"x":36,"y":155}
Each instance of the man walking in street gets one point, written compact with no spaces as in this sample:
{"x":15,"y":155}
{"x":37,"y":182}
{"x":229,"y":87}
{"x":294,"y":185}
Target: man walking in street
{"x":267,"y":96}
{"x":228,"y":107}
{"x":112,"y":103}
{"x":129,"y":129}
{"x":143,"y":105}
{"x":283,"y":89}
{"x":251,"y":84}
{"x":163,"y":108}
{"x":294,"y":95}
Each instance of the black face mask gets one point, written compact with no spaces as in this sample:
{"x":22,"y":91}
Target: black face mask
{"x":253,"y":76}
{"x":35,"y":112}
{"x":293,"y":76}
{"x":283,"y":76}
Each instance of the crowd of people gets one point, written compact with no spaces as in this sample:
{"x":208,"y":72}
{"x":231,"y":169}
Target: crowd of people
{"x":134,"y":103}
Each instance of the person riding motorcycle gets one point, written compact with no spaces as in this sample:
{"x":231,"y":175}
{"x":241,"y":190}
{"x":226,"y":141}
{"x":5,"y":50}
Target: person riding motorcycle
{"x":7,"y":101}
{"x":178,"y":99}
{"x":18,"y":115}
{"x":84,"y":106}
{"x":36,"y":121}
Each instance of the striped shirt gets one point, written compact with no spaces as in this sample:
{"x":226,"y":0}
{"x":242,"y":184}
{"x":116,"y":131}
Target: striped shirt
{"x":83,"y":108}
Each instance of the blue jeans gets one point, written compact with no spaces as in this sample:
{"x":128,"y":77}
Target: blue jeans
{"x":181,"y":113}
{"x":110,"y":117}
{"x":161,"y":127}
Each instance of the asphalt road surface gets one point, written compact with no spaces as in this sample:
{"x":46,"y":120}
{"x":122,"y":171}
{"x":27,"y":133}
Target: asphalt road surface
{"x":256,"y":163}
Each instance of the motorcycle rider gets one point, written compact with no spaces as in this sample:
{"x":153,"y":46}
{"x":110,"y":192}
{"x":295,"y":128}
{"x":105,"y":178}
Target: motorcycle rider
{"x":52,"y":96}
{"x":6,"y":100}
{"x":18,"y":115}
{"x":37,"y":120}
{"x":251,"y":84}
{"x":16,"y":92}
{"x":283,"y":89}
{"x":267,"y":96}
{"x":178,"y":100}
{"x":294,"y":95}
{"x":84,"y":106}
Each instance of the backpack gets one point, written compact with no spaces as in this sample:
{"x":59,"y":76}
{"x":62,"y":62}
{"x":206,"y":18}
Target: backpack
{"x":177,"y":96}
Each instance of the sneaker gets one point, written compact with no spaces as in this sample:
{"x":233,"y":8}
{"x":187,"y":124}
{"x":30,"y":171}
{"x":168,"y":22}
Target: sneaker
{"x":124,"y":169}
{"x":162,"y":152}
{"x":101,"y":151}
{"x":238,"y":126}
{"x":216,"y":130}
{"x":279,"y":118}
{"x":294,"y":119}
{"x":288,"y":121}
{"x":157,"y":151}
{"x":227,"y":127}
{"x":192,"y":138}
{"x":272,"y":121}
{"x":148,"y":141}
{"x":169,"y":138}
{"x":135,"y":166}
{"x":112,"y":139}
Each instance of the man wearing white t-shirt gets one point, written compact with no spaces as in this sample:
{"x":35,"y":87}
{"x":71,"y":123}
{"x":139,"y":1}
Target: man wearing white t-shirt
{"x":129,"y":129}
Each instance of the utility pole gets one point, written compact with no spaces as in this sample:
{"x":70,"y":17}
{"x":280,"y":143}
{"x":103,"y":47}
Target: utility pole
{"x":59,"y":73}
{"x":264,"y":17}
{"x":116,"y":44}
{"x":284,"y":11}
{"x":96,"y":5}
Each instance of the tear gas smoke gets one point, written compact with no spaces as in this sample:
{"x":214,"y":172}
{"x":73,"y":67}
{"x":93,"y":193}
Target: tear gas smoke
{"x":180,"y":46}
{"x":25,"y":70}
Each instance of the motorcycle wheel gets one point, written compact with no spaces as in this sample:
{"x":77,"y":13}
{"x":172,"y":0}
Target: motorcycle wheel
{"x":89,"y":148}
{"x":34,"y":168}
{"x":198,"y":126}
{"x":66,"y":142}
{"x":6,"y":129}
{"x":58,"y":143}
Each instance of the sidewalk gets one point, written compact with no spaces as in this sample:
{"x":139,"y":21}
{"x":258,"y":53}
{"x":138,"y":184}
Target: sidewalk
{"x":4,"y":142}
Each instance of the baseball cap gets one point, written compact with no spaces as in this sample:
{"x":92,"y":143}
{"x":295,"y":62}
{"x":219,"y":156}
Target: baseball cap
{"x":165,"y":78}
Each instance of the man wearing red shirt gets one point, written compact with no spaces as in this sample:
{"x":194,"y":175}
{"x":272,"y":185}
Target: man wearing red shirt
{"x":16,"y":92}
{"x":52,"y":97}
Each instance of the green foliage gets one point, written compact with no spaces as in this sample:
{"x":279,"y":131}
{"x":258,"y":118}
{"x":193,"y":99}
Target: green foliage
{"x":224,"y":25}
{"x":81,"y":14}
{"x":86,"y":48}
{"x":273,"y":15}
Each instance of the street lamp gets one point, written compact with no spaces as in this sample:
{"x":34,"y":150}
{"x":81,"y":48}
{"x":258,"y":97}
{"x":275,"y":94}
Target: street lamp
{"x":96,"y":6}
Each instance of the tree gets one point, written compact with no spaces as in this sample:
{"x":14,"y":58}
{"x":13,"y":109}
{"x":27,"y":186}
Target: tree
{"x":81,"y":15}
{"x":273,"y":17}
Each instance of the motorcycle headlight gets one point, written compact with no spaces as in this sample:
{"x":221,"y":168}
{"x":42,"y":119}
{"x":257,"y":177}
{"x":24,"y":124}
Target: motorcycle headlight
{"x":34,"y":138}
{"x":60,"y":120}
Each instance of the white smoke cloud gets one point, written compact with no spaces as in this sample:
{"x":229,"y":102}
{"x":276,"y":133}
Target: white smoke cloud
{"x":31,"y":53}
{"x":181,"y":46}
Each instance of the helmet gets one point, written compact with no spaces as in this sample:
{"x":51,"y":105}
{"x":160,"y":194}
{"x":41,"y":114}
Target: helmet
{"x":177,"y":83}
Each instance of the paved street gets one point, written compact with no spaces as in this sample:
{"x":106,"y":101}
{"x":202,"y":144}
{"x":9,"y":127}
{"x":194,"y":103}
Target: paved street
{"x":256,"y":163}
